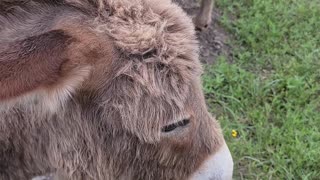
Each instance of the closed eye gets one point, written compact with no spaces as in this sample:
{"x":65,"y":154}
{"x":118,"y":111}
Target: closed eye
{"x":174,"y":126}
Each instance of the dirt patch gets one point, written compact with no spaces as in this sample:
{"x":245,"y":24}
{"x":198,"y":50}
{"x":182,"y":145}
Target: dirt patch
{"x":213,"y":40}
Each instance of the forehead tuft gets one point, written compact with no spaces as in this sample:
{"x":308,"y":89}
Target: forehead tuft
{"x":151,"y":31}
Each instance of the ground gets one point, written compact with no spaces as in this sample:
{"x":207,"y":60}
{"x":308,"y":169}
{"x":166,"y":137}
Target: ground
{"x":267,"y":89}
{"x":213,"y":41}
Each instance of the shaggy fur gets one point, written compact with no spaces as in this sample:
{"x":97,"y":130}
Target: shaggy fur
{"x":87,"y":85}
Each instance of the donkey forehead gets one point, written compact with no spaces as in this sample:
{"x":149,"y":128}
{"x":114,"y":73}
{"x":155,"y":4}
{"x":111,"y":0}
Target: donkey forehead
{"x":151,"y":31}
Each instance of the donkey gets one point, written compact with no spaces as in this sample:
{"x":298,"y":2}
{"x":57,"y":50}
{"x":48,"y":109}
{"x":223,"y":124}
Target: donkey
{"x":104,"y":90}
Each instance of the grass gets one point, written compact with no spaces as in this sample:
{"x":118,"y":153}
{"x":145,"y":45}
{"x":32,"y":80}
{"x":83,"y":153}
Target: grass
{"x":270,"y":93}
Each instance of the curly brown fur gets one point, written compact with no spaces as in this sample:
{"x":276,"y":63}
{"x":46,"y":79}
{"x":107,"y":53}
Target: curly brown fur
{"x":87,"y":86}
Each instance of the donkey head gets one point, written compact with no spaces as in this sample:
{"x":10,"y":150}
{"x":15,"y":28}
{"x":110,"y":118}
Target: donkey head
{"x":123,"y":77}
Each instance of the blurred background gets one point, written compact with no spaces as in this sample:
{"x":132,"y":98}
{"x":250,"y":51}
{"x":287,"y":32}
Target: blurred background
{"x":262,"y":82}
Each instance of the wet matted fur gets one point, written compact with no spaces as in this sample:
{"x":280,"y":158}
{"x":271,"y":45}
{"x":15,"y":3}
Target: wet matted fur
{"x":87,"y":86}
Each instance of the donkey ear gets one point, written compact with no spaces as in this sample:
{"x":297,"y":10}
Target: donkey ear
{"x":32,"y":63}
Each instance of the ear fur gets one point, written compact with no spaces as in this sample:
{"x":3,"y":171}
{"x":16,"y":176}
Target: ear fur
{"x":32,"y":63}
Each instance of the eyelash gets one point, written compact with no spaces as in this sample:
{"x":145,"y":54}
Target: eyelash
{"x":173,"y":126}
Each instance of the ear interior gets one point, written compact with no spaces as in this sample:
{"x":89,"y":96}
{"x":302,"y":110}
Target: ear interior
{"x":32,"y":63}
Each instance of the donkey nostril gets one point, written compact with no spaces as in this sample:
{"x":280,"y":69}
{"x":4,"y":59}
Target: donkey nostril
{"x":174,"y":126}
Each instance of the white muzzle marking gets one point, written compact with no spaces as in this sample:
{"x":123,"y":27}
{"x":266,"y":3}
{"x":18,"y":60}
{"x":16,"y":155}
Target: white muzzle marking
{"x":219,"y":166}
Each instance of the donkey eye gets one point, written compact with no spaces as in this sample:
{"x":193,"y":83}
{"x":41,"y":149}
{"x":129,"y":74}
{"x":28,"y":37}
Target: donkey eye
{"x":174,"y":126}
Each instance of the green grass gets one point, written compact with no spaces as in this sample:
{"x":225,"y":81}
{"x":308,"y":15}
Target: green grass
{"x":270,"y":93}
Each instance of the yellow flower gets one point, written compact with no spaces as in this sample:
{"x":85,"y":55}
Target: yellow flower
{"x":234,"y":133}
